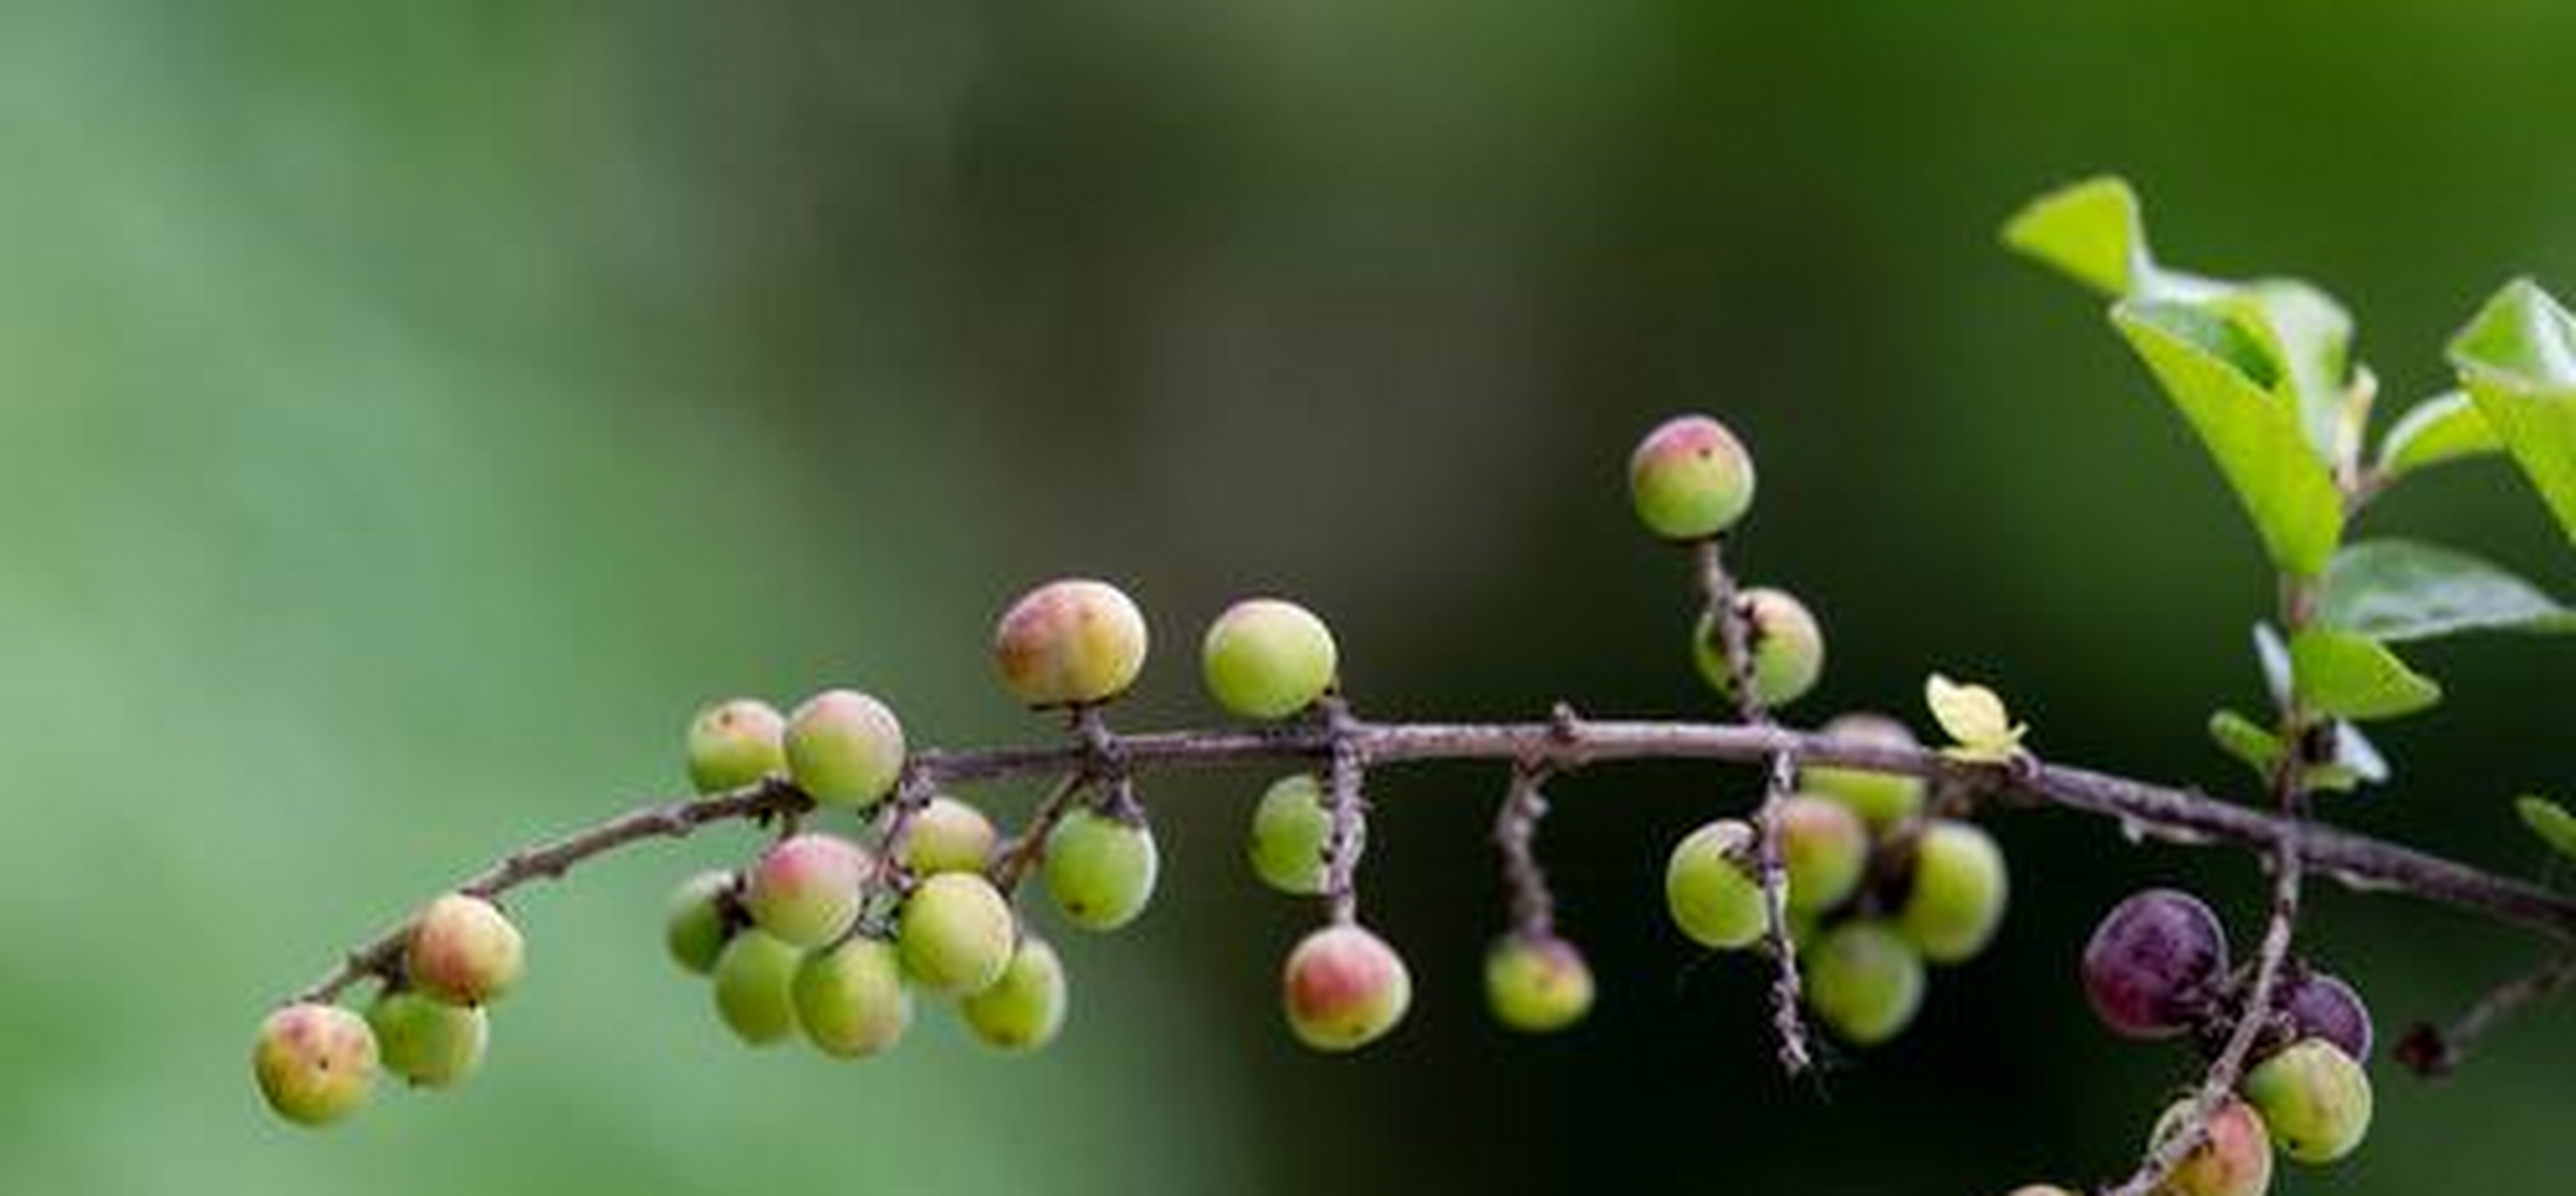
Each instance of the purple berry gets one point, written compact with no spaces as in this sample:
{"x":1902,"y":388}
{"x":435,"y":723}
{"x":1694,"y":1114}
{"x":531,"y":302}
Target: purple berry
{"x":2154,"y":963}
{"x":2320,"y":1005}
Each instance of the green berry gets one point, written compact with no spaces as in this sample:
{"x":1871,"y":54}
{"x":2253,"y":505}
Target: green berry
{"x":1024,"y":1010}
{"x":1069,"y":643}
{"x":850,"y":999}
{"x":1882,"y":799}
{"x":464,"y":951}
{"x":1268,"y":659}
{"x":1824,"y":848}
{"x":806,"y":890}
{"x":845,"y":748}
{"x":2315,"y":1100}
{"x":1344,"y":988}
{"x":754,"y":977}
{"x":1788,"y":648}
{"x":315,"y":1063}
{"x":1537,"y":983}
{"x":1865,"y":982}
{"x":1955,"y":892}
{"x":948,"y":835}
{"x":2234,"y":1160}
{"x":697,"y":924}
{"x":956,"y":933}
{"x":1710,"y":891}
{"x":1290,"y":829}
{"x":1100,"y":868}
{"x":1690,"y":478}
{"x":426,"y":1041}
{"x":736,"y":743}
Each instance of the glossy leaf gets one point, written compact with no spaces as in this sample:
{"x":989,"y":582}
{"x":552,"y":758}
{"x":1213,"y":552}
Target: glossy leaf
{"x":2306,"y":338}
{"x":2087,"y":230}
{"x":2354,"y":676}
{"x":2246,"y":740}
{"x":2550,"y":821}
{"x":2517,"y":360}
{"x":2446,"y":427}
{"x":2405,"y":590}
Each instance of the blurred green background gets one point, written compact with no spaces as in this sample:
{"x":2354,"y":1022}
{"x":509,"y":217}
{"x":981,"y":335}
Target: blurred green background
{"x":408,"y":414}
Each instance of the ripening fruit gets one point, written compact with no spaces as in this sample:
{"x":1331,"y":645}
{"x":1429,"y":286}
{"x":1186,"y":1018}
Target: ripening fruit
{"x":1265,"y":658}
{"x":1710,"y":889}
{"x":696,"y":926}
{"x":1788,"y":647}
{"x":426,"y":1041}
{"x":464,"y":951}
{"x":948,"y":835}
{"x":1825,"y":850}
{"x":2314,"y":1099}
{"x":1865,"y":982}
{"x":1344,"y":988}
{"x":2320,"y":1005}
{"x":2040,"y":1190}
{"x":1070,"y":642}
{"x":1290,"y":829}
{"x":956,"y":933}
{"x":315,"y":1063}
{"x":2235,"y":1160}
{"x":1023,"y":1010}
{"x":736,"y":743}
{"x":850,"y":999}
{"x":1537,"y":983}
{"x":1882,"y":799}
{"x":806,"y":890}
{"x":1690,"y":478}
{"x":754,"y":977}
{"x":1955,"y":892}
{"x":1100,"y":868}
{"x":844,"y":748}
{"x":2154,"y":964}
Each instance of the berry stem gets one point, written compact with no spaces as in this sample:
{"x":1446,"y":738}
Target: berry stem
{"x":1515,"y":833}
{"x":2433,"y":1051}
{"x":1346,"y":805}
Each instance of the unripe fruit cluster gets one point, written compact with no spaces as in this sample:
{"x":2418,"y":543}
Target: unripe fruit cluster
{"x":1691,"y":481}
{"x":1875,"y":889}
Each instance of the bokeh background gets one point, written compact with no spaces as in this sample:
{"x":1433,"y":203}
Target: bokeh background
{"x":408,"y":414}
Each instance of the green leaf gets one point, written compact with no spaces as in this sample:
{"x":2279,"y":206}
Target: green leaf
{"x":2246,"y":740}
{"x":2404,"y":590}
{"x":2306,"y":338}
{"x":2517,"y":360}
{"x":2087,"y":230}
{"x":2354,"y":676}
{"x":2549,"y":820}
{"x":2446,"y":427}
{"x":2222,"y":379}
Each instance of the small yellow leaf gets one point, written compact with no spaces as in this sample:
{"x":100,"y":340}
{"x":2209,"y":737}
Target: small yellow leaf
{"x":1975,"y":719}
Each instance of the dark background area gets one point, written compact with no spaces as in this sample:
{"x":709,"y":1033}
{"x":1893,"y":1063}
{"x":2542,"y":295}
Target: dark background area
{"x":408,"y":416}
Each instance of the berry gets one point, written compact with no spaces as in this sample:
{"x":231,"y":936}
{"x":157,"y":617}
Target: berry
{"x":1100,"y":868}
{"x":464,"y":951}
{"x":1825,"y":850}
{"x":698,"y":923}
{"x":1266,"y":659}
{"x":956,"y":933}
{"x":1070,"y":643}
{"x":1711,"y":893}
{"x":2320,"y":1005}
{"x":736,"y":743}
{"x":315,"y":1063}
{"x":2235,"y":1159}
{"x":1537,"y":983}
{"x":426,"y":1041}
{"x":1290,"y":829}
{"x":2040,"y":1190}
{"x":1690,"y":478}
{"x":1864,"y":981}
{"x":948,"y":835}
{"x":2314,"y":1099}
{"x":850,"y":999}
{"x":806,"y":889}
{"x":2154,"y":963}
{"x":1955,"y":892}
{"x":753,"y":975}
{"x":1788,"y":647}
{"x":1024,"y":1010}
{"x":1344,"y":988}
{"x":844,"y":748}
{"x":1882,"y":799}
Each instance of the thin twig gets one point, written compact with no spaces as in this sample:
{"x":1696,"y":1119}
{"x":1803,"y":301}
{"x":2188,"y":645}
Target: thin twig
{"x":1347,"y":806}
{"x":2431,"y":1051}
{"x":1012,"y":861}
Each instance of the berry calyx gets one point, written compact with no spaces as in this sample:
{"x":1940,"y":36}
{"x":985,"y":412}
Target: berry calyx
{"x":806,"y":890}
{"x":1344,"y":988}
{"x":1537,"y":983}
{"x":1100,"y":868}
{"x":1824,"y":848}
{"x":850,"y":999}
{"x":464,"y":951}
{"x":1265,"y":658}
{"x":948,"y":835}
{"x":1690,"y":478}
{"x":2154,"y":964}
{"x":1710,"y":889}
{"x":699,"y":921}
{"x":315,"y":1063}
{"x":1070,"y":642}
{"x":1865,"y":982}
{"x":736,"y":743}
{"x":1882,"y":799}
{"x":1289,"y":830}
{"x":1787,"y":645}
{"x":1024,"y":1010}
{"x":956,"y":933}
{"x":2235,"y":1159}
{"x":753,"y":981}
{"x":845,"y":748}
{"x":1956,"y":890}
{"x":428,"y":1042}
{"x":2314,"y":1098}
